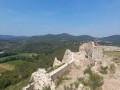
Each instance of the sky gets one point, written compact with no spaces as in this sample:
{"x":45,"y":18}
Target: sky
{"x":97,"y":18}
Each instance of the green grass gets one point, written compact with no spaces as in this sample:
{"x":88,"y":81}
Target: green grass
{"x":21,"y":54}
{"x":112,"y":68}
{"x":47,"y":88}
{"x":112,"y":53}
{"x":16,"y":62}
{"x":94,"y":82}
{"x":104,"y":70}
{"x":2,"y":70}
{"x":19,"y":85}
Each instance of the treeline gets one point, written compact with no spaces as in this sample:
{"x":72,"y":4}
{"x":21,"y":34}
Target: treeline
{"x":5,"y":54}
{"x":40,"y":46}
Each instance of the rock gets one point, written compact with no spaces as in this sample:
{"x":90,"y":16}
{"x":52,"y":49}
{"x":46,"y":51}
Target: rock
{"x":67,"y":56}
{"x":41,"y":79}
{"x":104,"y":64}
{"x":56,"y":62}
{"x":81,"y":87}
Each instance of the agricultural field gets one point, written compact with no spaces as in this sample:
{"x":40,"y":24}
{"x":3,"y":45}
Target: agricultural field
{"x":6,"y":66}
{"x":16,"y":62}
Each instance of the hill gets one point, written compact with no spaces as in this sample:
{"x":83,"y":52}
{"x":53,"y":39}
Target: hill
{"x":63,"y":36}
{"x":113,"y":38}
{"x":10,"y":36}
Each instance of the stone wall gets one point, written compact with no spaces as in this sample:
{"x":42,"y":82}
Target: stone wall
{"x":29,"y":87}
{"x":56,"y":73}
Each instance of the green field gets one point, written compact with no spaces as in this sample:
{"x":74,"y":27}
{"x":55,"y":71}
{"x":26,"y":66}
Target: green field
{"x":16,"y":62}
{"x":112,"y":53}
{"x":21,"y":54}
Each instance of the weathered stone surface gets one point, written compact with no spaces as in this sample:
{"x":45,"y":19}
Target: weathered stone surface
{"x":41,"y":79}
{"x":67,"y":56}
{"x":81,"y":87}
{"x":56,"y":62}
{"x":87,"y":51}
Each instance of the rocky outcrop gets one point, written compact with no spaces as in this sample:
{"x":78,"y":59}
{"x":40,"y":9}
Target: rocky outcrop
{"x":87,"y":52}
{"x":40,"y":80}
{"x":67,"y":56}
{"x":56,"y":62}
{"x":92,"y":52}
{"x":81,"y":87}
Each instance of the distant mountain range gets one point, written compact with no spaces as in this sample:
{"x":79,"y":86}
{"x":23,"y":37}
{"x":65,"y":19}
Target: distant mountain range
{"x":10,"y":36}
{"x":64,"y":36}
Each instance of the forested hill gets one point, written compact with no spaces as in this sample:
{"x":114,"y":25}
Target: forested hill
{"x":63,"y":36}
{"x":50,"y":43}
{"x":113,"y":38}
{"x":10,"y":36}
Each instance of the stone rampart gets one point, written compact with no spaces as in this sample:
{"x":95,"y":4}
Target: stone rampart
{"x":56,"y":73}
{"x":29,"y":87}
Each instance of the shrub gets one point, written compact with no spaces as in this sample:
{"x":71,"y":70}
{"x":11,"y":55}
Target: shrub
{"x":112,"y":68}
{"x":76,"y":84}
{"x":94,"y":82}
{"x":88,"y":71}
{"x":47,"y":88}
{"x":104,"y":70}
{"x":62,"y":77}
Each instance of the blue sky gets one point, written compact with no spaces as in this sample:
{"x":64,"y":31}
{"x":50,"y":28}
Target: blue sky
{"x":77,"y":17}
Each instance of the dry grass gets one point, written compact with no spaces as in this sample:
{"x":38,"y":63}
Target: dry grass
{"x":112,"y":53}
{"x":7,"y":67}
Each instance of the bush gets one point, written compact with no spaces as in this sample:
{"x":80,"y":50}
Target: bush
{"x":104,"y":70}
{"x":88,"y":71}
{"x":47,"y":88}
{"x":94,"y":82}
{"x":76,"y":84}
{"x":112,"y":68}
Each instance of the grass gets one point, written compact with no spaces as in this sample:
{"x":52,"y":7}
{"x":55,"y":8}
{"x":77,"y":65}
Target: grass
{"x":7,"y":66}
{"x":112,"y":68}
{"x":27,"y":54}
{"x":16,"y":62}
{"x":19,"y":85}
{"x":104,"y":70}
{"x":76,"y":84}
{"x":47,"y":88}
{"x":62,"y":78}
{"x":112,"y":53}
{"x":94,"y":82}
{"x":2,"y":70}
{"x":21,"y":54}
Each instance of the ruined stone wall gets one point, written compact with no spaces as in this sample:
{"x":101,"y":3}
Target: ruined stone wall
{"x":61,"y":70}
{"x":67,"y":56}
{"x":29,"y":87}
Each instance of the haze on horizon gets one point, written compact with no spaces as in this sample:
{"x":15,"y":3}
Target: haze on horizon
{"x":97,"y":18}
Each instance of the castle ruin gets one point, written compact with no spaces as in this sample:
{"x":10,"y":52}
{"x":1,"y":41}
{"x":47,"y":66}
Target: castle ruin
{"x":87,"y":51}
